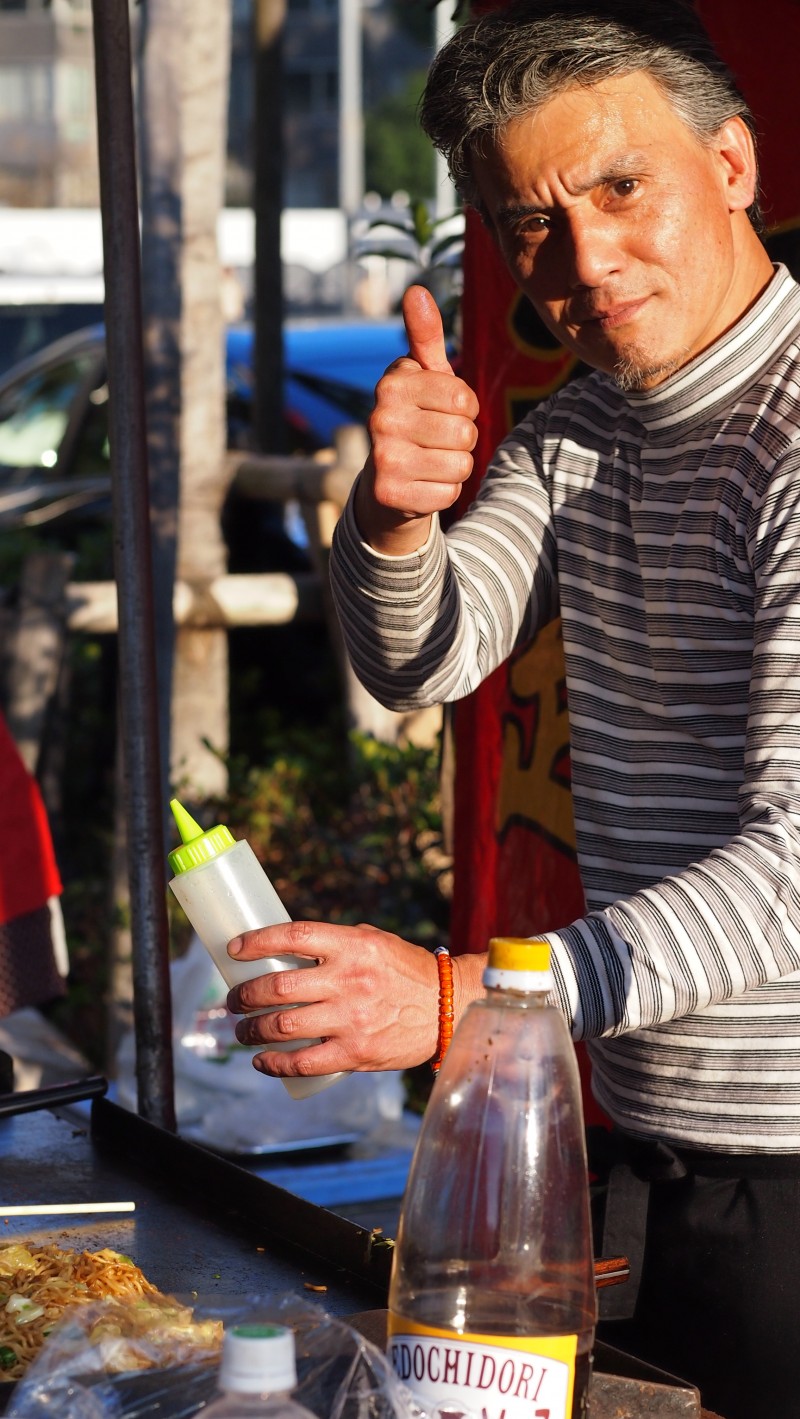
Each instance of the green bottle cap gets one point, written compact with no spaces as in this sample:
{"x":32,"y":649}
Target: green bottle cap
{"x":197,"y":847}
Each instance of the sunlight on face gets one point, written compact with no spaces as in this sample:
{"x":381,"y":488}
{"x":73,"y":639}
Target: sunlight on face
{"x":623,"y":229}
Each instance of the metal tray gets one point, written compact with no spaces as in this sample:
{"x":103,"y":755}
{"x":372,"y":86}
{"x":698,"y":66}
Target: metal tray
{"x":325,"y":1143}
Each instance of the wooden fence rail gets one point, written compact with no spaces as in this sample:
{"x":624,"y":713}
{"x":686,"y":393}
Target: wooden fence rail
{"x":251,"y":599}
{"x":51,"y":607}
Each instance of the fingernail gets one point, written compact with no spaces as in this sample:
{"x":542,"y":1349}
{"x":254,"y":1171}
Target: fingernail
{"x":235,"y":946}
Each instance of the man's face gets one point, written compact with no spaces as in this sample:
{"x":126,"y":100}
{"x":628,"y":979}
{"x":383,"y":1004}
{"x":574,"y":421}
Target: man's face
{"x":625,"y":232}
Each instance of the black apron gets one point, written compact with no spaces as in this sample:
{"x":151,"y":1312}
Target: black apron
{"x":713,"y":1243}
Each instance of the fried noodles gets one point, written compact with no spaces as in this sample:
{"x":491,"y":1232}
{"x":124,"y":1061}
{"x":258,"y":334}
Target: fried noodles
{"x":38,"y":1284}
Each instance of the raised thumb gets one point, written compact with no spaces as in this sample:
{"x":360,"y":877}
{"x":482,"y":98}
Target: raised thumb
{"x":425,"y":331}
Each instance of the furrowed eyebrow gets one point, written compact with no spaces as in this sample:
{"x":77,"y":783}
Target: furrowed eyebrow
{"x":629,"y":165}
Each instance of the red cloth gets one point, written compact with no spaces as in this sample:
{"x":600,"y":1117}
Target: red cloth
{"x":28,"y":872}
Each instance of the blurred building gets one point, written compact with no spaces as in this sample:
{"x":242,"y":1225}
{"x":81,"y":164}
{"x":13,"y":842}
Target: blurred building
{"x":48,"y":145}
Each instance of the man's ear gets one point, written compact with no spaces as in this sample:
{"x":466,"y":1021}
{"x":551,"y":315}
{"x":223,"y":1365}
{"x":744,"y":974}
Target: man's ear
{"x":733,"y":144}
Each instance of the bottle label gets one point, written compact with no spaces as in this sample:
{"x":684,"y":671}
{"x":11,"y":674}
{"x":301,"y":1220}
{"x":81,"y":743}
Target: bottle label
{"x":489,"y":1376}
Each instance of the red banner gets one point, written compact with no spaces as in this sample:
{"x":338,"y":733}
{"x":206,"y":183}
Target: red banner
{"x":515,"y":870}
{"x":28,"y":871}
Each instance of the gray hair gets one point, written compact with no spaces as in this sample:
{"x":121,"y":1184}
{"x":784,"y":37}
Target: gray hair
{"x":508,"y":63}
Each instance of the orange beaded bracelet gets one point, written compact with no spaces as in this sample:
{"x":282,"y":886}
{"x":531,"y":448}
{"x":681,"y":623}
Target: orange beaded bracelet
{"x":445,"y":967}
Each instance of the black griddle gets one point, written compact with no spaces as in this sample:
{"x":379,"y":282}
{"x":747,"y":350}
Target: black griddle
{"x":206,"y":1226}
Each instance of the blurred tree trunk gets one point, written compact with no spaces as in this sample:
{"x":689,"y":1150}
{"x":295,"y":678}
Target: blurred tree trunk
{"x":183,"y":73}
{"x":200,"y":686}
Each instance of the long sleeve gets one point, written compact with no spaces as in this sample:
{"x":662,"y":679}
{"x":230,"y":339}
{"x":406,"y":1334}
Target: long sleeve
{"x":429,"y":627}
{"x":730,"y":921}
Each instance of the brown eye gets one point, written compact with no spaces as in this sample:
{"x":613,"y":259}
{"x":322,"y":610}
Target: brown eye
{"x":536,"y":226}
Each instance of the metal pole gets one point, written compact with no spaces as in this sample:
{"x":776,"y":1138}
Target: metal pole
{"x":351,"y":129}
{"x":138,"y":700}
{"x":351,"y":115}
{"x":268,"y":415}
{"x":445,"y":200}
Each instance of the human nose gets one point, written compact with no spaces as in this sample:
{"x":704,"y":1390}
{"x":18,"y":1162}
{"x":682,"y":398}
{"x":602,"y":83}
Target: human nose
{"x":593,"y":251}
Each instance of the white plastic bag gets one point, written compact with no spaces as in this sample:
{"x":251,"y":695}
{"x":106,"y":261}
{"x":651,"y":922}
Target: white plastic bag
{"x":341,"y":1375}
{"x":223,"y":1102}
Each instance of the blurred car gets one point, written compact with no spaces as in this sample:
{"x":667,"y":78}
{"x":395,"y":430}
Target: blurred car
{"x":54,"y":449}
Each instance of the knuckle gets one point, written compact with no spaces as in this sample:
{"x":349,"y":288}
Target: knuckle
{"x":461,"y":467}
{"x":464,"y":400}
{"x":284,"y":1023}
{"x":285,"y":984}
{"x":391,"y":385}
{"x":360,"y":1018}
{"x":467,"y":433}
{"x":300,"y":932}
{"x":358,"y":1054}
{"x":280,"y":984}
{"x":378,"y":421}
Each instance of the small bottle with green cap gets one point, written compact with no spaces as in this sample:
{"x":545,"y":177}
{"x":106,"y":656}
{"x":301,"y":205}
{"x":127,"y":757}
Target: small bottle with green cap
{"x":492,"y":1295}
{"x":224,"y":891}
{"x":257,"y":1375}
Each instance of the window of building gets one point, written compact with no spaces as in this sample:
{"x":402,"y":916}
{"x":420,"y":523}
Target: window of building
{"x":75,"y":101}
{"x":25,"y":92}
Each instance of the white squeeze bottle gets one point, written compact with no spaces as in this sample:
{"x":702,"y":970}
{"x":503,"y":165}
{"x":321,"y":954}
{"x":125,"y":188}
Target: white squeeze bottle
{"x":492,"y":1299}
{"x":224,"y":891}
{"x":257,"y":1374}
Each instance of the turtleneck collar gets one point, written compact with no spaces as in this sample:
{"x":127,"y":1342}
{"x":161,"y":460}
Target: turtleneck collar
{"x":715,"y":377}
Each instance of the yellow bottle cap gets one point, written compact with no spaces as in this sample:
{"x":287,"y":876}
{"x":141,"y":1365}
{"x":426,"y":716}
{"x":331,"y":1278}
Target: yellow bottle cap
{"x":198,"y":847}
{"x":519,"y":953}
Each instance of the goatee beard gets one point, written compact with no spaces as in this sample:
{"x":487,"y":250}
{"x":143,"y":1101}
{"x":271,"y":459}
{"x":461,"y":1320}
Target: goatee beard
{"x":632,"y":373}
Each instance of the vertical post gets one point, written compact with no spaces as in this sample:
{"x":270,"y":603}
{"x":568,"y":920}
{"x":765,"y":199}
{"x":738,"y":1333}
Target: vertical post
{"x":160,"y":59}
{"x":351,"y":106}
{"x":445,"y":200}
{"x":351,"y":127}
{"x":269,"y":17}
{"x":138,"y":700}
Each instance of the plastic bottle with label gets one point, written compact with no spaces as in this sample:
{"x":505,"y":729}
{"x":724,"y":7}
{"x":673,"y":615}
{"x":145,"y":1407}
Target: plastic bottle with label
{"x":224,"y":891}
{"x":492,"y":1302}
{"x":257,"y":1374}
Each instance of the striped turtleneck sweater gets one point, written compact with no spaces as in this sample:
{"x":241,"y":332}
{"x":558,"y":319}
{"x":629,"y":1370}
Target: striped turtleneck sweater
{"x":664,"y":528}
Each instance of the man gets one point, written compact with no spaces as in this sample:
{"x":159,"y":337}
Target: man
{"x":654,"y":505}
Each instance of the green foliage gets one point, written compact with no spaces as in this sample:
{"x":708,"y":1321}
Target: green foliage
{"x":344,"y":836}
{"x":435,"y":244}
{"x":397,"y":155}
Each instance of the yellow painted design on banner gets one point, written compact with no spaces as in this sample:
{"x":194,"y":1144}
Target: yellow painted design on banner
{"x":534,"y":784}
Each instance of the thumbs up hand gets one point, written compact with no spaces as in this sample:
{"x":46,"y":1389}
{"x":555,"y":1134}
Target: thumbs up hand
{"x":422,"y":430}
